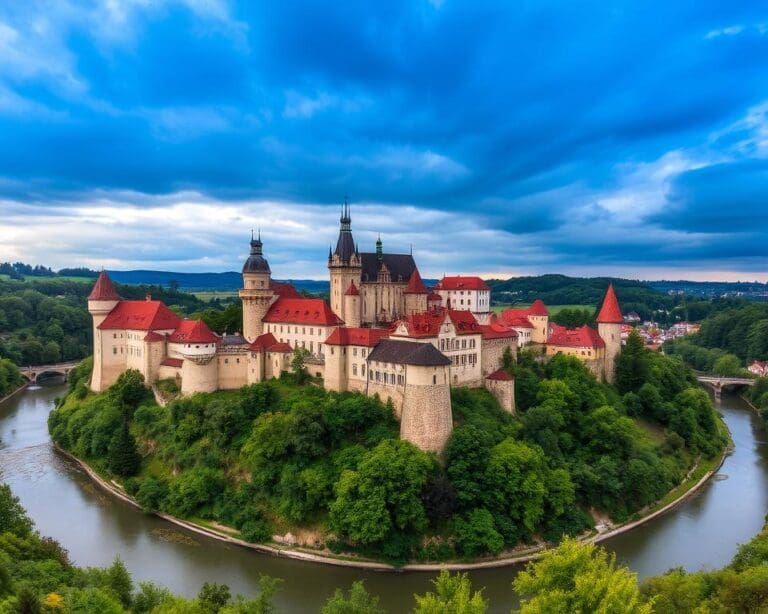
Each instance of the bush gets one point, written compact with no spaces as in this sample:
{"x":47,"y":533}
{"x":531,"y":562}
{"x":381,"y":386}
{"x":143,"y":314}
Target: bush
{"x":476,"y":534}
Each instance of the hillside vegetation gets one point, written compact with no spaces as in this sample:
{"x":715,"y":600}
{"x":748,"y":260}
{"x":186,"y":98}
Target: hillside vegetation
{"x":278,"y":456}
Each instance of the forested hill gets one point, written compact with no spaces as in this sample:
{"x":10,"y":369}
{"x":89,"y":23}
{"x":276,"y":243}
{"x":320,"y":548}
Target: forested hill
{"x":563,"y":290}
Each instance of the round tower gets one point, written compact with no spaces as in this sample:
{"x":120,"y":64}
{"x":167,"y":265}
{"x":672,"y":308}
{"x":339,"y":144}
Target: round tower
{"x":609,"y":322}
{"x":256,"y":294}
{"x":101,"y":301}
{"x":352,"y":306}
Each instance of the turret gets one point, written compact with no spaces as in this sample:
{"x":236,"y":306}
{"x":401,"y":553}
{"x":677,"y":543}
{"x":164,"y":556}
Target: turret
{"x":416,"y":294}
{"x":609,"y":322}
{"x":345,"y":267}
{"x":101,"y":301}
{"x":352,"y":306}
{"x":538,"y":315}
{"x":256,"y":294}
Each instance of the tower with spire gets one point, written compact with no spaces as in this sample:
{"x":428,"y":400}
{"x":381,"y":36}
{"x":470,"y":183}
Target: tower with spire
{"x":257,"y":294}
{"x":609,"y":322}
{"x":345,"y":269}
{"x":101,"y":301}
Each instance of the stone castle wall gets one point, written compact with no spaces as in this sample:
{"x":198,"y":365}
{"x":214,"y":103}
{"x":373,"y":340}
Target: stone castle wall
{"x":426,"y":419}
{"x":504,"y":391}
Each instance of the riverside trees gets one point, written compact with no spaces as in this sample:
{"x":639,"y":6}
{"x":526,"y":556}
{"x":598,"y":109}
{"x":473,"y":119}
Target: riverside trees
{"x":279,"y":456}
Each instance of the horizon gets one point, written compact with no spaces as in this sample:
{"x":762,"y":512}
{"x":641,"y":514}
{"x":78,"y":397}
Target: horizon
{"x":499,"y":141}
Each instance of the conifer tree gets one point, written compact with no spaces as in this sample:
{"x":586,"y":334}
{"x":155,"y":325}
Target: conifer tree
{"x":124,"y":458}
{"x":632,"y":365}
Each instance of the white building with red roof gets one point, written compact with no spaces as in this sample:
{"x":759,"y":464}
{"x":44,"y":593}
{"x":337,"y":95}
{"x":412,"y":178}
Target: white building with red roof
{"x":467,"y":294}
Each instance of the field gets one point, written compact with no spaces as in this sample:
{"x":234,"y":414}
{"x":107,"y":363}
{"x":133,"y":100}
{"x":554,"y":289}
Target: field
{"x":209,"y":295}
{"x":553,"y":309}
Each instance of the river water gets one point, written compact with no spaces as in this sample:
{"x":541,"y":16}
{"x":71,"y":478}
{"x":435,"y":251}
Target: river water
{"x":702,"y":532}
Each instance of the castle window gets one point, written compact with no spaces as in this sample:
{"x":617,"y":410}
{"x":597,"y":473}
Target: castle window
{"x":114,"y":350}
{"x":362,"y":370}
{"x":354,"y":351}
{"x":331,"y":351}
{"x":226,"y":361}
{"x":354,"y":369}
{"x":370,"y":375}
{"x":114,"y":335}
{"x":434,"y":379}
{"x":237,"y":360}
{"x":311,"y":331}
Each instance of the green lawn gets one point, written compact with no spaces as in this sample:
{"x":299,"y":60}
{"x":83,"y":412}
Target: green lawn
{"x":553,"y":309}
{"x":210,"y":295}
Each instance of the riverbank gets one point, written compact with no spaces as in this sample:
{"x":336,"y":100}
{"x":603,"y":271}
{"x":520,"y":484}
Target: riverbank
{"x":15,"y":392}
{"x":685,"y":490}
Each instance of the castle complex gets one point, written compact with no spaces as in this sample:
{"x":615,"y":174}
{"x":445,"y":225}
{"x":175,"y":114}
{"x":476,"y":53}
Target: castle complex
{"x":383,"y":333}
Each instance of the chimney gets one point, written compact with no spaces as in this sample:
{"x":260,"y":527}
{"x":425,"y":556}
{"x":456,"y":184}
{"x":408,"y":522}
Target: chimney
{"x":148,"y":297}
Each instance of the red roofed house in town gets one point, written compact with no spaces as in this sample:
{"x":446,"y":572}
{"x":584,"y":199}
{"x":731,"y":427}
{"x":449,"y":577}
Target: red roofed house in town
{"x":470,"y":293}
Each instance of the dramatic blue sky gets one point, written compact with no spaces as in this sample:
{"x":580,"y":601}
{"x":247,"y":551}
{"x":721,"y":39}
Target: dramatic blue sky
{"x":622,"y":138}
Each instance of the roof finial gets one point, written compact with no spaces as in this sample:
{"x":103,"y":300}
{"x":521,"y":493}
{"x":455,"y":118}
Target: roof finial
{"x":259,"y":234}
{"x":251,"y":234}
{"x":411,"y":249}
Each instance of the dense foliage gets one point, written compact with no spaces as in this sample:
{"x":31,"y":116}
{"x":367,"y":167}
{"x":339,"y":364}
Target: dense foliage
{"x":10,"y":378}
{"x":45,"y":320}
{"x":286,"y":455}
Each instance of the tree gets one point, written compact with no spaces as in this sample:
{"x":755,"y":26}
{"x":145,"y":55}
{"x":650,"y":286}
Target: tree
{"x":476,"y":534}
{"x":297,"y":365}
{"x":453,"y":595}
{"x":383,"y":495}
{"x":13,"y":517}
{"x":119,"y":581}
{"x":213,"y":596}
{"x":129,"y":389}
{"x":578,"y":577}
{"x":123,"y":457}
{"x":356,"y":601}
{"x":728,"y":366}
{"x":632,"y":365}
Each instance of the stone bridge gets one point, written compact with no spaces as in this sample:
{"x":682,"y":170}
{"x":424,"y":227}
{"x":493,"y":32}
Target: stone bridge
{"x":718,"y":383}
{"x":62,"y":368}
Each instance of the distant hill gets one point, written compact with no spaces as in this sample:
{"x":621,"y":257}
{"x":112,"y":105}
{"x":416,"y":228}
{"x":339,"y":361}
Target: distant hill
{"x":752,"y":290}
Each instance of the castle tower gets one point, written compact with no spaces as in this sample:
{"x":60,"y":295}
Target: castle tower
{"x":538,"y":315}
{"x":352,"y":307}
{"x":256,"y":294}
{"x":345,"y":267}
{"x":609,"y":322}
{"x":416,"y":294}
{"x":101,"y":301}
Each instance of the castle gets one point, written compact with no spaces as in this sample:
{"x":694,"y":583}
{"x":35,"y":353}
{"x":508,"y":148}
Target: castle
{"x":383,"y":333}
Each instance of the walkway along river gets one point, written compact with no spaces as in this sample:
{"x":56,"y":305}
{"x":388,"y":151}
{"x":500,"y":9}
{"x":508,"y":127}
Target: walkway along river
{"x":704,"y":531}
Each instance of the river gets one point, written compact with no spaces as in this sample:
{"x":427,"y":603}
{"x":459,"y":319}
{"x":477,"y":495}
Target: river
{"x":94,"y":527}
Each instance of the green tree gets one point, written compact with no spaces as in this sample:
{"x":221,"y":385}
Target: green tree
{"x":453,"y":595}
{"x":213,"y":596}
{"x":123,"y":457}
{"x":632,"y":364}
{"x":356,"y":601}
{"x":13,"y":517}
{"x":476,"y":534}
{"x":297,"y":365}
{"x":119,"y":581}
{"x":383,"y":495}
{"x":728,"y":366}
{"x":578,"y":578}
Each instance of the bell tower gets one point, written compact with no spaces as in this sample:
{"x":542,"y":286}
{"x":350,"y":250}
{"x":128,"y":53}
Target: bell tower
{"x":345,"y":268}
{"x":256,"y":294}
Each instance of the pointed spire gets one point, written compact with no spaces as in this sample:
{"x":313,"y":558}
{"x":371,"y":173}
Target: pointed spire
{"x":610,"y":312}
{"x":103,"y":289}
{"x":415,"y":284}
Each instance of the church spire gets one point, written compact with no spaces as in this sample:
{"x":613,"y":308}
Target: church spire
{"x":345,"y":244}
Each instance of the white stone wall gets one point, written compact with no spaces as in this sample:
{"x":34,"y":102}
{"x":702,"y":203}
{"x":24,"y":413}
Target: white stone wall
{"x":233,"y":369}
{"x":476,"y":301}
{"x":540,"y":328}
{"x":611,"y":335}
{"x":311,"y":337}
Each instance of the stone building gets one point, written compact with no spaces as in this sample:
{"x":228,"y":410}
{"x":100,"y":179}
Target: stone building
{"x":384,"y":333}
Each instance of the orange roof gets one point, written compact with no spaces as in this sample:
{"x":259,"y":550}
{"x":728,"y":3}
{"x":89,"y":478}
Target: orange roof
{"x":193,"y":331}
{"x":415,"y":284}
{"x":172,"y":362}
{"x":610,"y":312}
{"x":352,"y":290}
{"x":500,"y":375}
{"x":368,"y":337}
{"x":140,"y":315}
{"x":103,"y":290}
{"x":302,"y":311}
{"x":461,"y":283}
{"x":584,"y":337}
{"x":284,"y":289}
{"x":538,"y":308}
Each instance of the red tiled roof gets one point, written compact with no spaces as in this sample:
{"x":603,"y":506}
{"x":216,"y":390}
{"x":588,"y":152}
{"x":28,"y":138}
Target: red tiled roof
{"x":538,"y":308}
{"x":516,"y":317}
{"x":352,"y":290}
{"x":262,"y":342}
{"x":415,"y":284}
{"x":434,"y":297}
{"x":193,"y":331}
{"x":461,"y":283}
{"x":427,"y":324}
{"x":500,"y":375}
{"x":153,"y":336}
{"x":280,"y":347}
{"x":584,"y":337}
{"x":140,"y":315}
{"x":172,"y":362}
{"x":610,"y":312}
{"x":497,"y":331}
{"x":103,"y":290}
{"x":368,"y":337}
{"x":302,"y":311}
{"x":284,"y":289}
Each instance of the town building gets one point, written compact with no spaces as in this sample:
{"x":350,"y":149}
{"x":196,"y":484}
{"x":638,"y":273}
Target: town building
{"x":383,"y":333}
